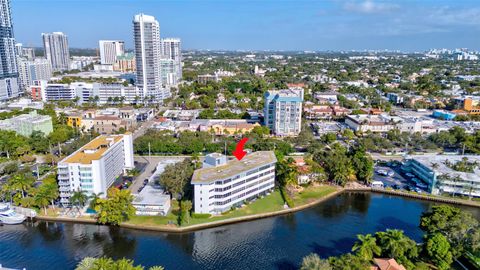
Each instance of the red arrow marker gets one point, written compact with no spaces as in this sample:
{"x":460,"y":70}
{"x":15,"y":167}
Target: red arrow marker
{"x":239,"y":153}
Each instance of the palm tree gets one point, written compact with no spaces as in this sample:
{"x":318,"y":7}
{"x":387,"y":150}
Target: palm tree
{"x":42,"y":200}
{"x":79,"y":198}
{"x":103,"y":264}
{"x":156,"y":268}
{"x":395,"y":244}
{"x":366,"y":246}
{"x":86,"y":264}
{"x":94,"y":199}
{"x":22,"y":182}
{"x":314,"y":262}
{"x":455,"y":180}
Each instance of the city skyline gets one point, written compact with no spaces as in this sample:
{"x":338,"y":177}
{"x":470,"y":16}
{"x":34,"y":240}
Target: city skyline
{"x":261,"y":25}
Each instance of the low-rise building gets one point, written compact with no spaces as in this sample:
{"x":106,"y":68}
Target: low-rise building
{"x":26,"y":124}
{"x":111,"y":124}
{"x":373,"y":123}
{"x":223,"y":184}
{"x":444,"y":115}
{"x":151,"y":202}
{"x":438,"y":173}
{"x":94,"y":167}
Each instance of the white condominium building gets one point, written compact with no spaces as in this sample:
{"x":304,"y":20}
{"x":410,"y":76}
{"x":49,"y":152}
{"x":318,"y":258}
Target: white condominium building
{"x":56,"y":50}
{"x":221,"y":184}
{"x":109,"y":50}
{"x":172,"y":50}
{"x":146,"y":31}
{"x":8,"y":62}
{"x":283,"y":111}
{"x":94,"y":167}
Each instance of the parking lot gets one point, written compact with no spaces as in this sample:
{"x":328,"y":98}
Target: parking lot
{"x":391,"y":175}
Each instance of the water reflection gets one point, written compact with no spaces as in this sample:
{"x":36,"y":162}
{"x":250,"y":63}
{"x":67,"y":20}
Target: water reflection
{"x":274,"y":243}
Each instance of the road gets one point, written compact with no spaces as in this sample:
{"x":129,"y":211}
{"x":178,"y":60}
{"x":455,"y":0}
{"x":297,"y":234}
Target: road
{"x":148,"y":170}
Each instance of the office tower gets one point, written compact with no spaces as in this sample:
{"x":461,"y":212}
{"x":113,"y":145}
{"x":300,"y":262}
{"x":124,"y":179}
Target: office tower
{"x":109,"y":50}
{"x":8,"y":62}
{"x":146,"y":32}
{"x":283,"y":111}
{"x":32,"y":70}
{"x":172,"y":49}
{"x":56,"y":50}
{"x":94,"y":167}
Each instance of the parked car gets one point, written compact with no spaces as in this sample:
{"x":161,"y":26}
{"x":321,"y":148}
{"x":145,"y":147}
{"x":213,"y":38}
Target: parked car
{"x":390,"y":173}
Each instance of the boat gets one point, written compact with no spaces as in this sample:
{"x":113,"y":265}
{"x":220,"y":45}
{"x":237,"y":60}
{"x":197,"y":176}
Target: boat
{"x":8,"y":216}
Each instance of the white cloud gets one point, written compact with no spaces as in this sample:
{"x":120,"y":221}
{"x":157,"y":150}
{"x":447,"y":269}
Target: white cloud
{"x":369,"y":6}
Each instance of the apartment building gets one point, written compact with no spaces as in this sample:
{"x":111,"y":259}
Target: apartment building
{"x":58,"y":91}
{"x":26,"y":124}
{"x":110,"y":50}
{"x":283,"y":111}
{"x":94,"y":167}
{"x":222,"y":184}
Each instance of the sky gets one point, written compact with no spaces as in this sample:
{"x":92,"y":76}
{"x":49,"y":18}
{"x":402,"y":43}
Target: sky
{"x":407,"y":25}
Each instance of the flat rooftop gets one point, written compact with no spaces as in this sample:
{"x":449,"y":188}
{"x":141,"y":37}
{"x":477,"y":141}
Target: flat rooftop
{"x":151,"y":196}
{"x":431,"y":160}
{"x":93,"y":150}
{"x":233,"y":167}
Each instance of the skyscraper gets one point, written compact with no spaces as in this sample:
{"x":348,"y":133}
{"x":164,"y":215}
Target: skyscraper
{"x":146,"y":31}
{"x":171,"y":49}
{"x":56,"y":50}
{"x":8,"y":62}
{"x":109,"y":50}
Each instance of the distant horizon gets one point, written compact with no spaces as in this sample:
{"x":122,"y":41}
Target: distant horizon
{"x":260,"y":25}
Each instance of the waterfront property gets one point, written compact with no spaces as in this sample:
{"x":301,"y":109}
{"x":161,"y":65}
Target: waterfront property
{"x":151,"y":202}
{"x":222,"y":184}
{"x":270,"y":243}
{"x":443,"y":173}
{"x":94,"y":167}
{"x":26,"y":124}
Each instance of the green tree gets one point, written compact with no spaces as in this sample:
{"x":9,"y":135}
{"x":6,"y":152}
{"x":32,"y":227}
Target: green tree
{"x":395,"y":244}
{"x":116,"y":208}
{"x":366,"y":247}
{"x":348,"y":262}
{"x":438,"y":250}
{"x":79,"y":198}
{"x":314,"y":262}
{"x":460,"y":227}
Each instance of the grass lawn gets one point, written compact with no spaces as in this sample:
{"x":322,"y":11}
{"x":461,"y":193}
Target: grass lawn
{"x":310,"y":194}
{"x":270,"y":203}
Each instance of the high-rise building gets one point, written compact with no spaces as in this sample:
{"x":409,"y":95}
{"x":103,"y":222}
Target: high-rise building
{"x":8,"y":62}
{"x":94,"y":167}
{"x":28,"y":53}
{"x":56,"y":50}
{"x":125,"y":63}
{"x":32,"y":70}
{"x":283,"y":111}
{"x":147,"y":43}
{"x":110,"y":50}
{"x":172,"y":49}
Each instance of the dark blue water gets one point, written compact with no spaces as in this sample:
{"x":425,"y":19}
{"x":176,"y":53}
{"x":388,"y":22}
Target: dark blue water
{"x":274,"y":243}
